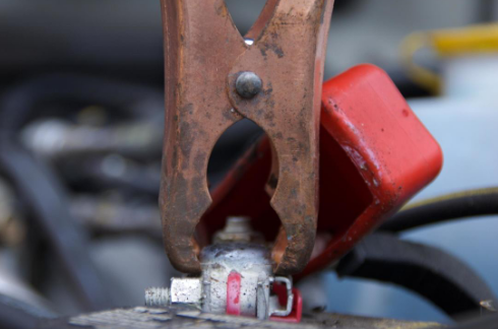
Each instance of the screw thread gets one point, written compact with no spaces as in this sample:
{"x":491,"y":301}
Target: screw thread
{"x":156,"y":296}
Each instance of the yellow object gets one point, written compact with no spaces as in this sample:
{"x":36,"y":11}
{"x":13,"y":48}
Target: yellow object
{"x":472,"y":40}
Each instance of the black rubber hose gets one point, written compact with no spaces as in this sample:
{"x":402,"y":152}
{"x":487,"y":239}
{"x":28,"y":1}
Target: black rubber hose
{"x":37,"y":185}
{"x":43,"y":193}
{"x":440,"y":277}
{"x":16,"y":314}
{"x":472,"y":203}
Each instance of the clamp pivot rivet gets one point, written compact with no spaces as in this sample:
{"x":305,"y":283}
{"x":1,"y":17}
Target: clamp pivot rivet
{"x":248,"y":84}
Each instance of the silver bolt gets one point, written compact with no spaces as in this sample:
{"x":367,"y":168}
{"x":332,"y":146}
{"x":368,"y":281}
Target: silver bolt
{"x":157,"y":296}
{"x":488,"y":305}
{"x":237,"y":229}
{"x":238,"y":224}
{"x":248,"y":84}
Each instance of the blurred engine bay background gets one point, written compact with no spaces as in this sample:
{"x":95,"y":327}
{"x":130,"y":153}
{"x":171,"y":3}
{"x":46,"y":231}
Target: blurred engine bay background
{"x":81,"y":120}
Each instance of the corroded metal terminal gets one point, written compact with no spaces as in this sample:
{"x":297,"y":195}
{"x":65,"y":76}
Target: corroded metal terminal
{"x":236,"y":278}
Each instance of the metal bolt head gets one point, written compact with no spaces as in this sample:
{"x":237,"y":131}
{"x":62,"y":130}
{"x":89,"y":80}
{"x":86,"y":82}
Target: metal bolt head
{"x":238,"y":224}
{"x":248,"y":84}
{"x":237,"y":229}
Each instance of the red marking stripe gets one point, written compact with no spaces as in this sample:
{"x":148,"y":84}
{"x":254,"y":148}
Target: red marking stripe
{"x":233,"y":293}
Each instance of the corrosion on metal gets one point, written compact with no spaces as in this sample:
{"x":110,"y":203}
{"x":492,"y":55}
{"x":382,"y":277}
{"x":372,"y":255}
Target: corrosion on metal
{"x":204,"y":55}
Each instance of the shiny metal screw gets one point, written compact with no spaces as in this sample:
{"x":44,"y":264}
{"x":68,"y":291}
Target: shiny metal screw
{"x":157,"y":296}
{"x":248,"y":84}
{"x":488,"y":305}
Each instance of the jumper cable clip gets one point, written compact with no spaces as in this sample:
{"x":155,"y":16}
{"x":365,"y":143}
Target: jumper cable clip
{"x":214,"y":79}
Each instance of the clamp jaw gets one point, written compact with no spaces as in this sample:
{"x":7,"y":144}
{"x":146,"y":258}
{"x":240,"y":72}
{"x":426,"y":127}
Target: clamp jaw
{"x":207,"y":63}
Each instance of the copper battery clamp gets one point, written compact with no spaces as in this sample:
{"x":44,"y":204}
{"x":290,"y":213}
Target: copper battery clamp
{"x":214,"y":79}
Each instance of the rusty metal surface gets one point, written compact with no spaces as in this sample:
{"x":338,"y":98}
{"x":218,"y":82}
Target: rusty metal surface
{"x":204,"y":55}
{"x":335,"y":320}
{"x":146,"y":317}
